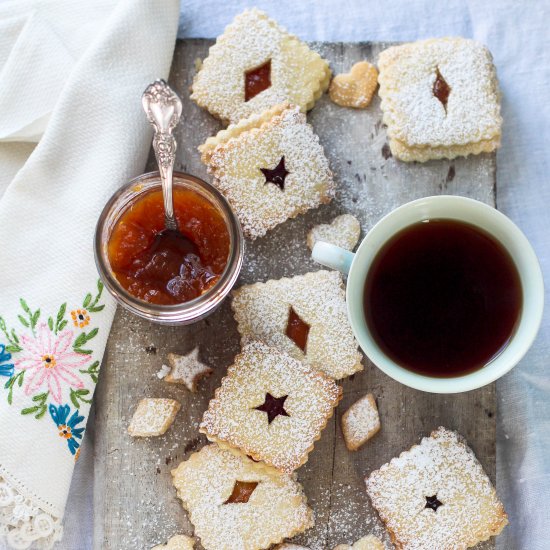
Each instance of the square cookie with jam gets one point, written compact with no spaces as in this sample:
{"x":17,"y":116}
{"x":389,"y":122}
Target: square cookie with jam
{"x":254,"y":65}
{"x":269,"y":167}
{"x":233,"y":505}
{"x":440,"y":99}
{"x":270,"y":407}
{"x":436,"y":495}
{"x":305,"y":316}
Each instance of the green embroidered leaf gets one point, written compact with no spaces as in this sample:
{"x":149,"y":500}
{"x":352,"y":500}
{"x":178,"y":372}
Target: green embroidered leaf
{"x":23,"y":321}
{"x":74,"y":399}
{"x":59,"y":319}
{"x":99,"y":287}
{"x":10,"y":381}
{"x":34,"y":318}
{"x":50,"y":323}
{"x":77,"y":395}
{"x":62,"y":325}
{"x":25,"y":307}
{"x":92,"y":334}
{"x":2,"y":324}
{"x":80,"y":339}
{"x":40,"y":397}
{"x":14,"y":336}
{"x":20,"y":378}
{"x":13,"y":348}
{"x":92,"y":370}
{"x":95,"y":309}
{"x":83,"y":351}
{"x":30,"y":410}
{"x":87,"y":300}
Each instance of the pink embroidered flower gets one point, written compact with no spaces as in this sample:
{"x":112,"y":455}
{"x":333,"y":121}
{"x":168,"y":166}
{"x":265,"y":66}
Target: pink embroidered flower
{"x":50,"y":361}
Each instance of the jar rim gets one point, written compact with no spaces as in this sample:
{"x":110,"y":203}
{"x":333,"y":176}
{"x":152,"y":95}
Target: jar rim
{"x":185,"y":312}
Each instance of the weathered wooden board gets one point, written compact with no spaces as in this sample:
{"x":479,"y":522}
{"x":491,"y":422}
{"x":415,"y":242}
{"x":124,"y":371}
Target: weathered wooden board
{"x":135,"y":503}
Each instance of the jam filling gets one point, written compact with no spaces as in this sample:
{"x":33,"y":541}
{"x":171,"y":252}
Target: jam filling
{"x":277,"y":175}
{"x":165,"y":266}
{"x":242,"y":491}
{"x":297,"y":330}
{"x":273,"y":406}
{"x":257,"y":80}
{"x":433,"y":503}
{"x":441,"y":89}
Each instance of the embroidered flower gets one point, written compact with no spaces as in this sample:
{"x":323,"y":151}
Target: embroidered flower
{"x":50,"y":361}
{"x":6,"y":369}
{"x":80,"y":318}
{"x":68,"y":428}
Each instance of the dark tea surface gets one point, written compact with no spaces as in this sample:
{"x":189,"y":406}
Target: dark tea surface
{"x":442,"y":298}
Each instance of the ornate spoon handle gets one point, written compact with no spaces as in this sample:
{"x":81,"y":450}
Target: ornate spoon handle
{"x":163,"y":109}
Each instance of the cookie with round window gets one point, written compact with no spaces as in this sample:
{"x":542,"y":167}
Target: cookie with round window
{"x":305,"y":316}
{"x":234,"y":505}
{"x":436,"y":495}
{"x":256,"y":64}
{"x":440,"y":99}
{"x":270,"y":167}
{"x":270,"y":407}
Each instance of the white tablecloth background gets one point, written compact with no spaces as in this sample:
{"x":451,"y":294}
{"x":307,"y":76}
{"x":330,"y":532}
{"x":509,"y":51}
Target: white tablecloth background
{"x":517,"y":32}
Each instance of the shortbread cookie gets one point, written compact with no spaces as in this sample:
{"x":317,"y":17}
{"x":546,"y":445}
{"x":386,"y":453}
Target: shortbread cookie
{"x":177,"y":542}
{"x":360,"y":422}
{"x":440,"y":98}
{"x":271,"y":407}
{"x":370,"y":542}
{"x":356,"y":88}
{"x":436,"y":495}
{"x":305,"y":316}
{"x":153,"y":417}
{"x":187,"y":369}
{"x":290,"y":546}
{"x":235,"y":506}
{"x":343,"y":231}
{"x":256,"y":64}
{"x":270,"y":167}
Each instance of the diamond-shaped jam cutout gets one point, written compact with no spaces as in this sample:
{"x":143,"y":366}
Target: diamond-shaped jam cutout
{"x":297,"y":330}
{"x":257,"y":80}
{"x":242,"y":491}
{"x":441,"y":89}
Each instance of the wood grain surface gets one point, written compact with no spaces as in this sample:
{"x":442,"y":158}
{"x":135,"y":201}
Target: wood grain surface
{"x":135,"y":503}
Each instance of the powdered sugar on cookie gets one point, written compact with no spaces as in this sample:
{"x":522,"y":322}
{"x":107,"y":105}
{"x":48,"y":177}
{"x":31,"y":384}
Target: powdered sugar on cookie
{"x":370,"y":542}
{"x":153,"y":417}
{"x":343,"y":231}
{"x":436,"y":495}
{"x":360,"y":422}
{"x":177,"y":542}
{"x":187,"y":369}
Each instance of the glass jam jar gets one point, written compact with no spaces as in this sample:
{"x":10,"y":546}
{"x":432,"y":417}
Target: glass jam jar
{"x":129,"y":197}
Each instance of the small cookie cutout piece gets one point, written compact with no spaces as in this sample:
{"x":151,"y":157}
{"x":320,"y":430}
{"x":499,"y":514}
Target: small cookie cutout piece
{"x":270,"y":167}
{"x":436,"y":495}
{"x":440,"y":99}
{"x":356,"y":88}
{"x":370,"y":542}
{"x":342,"y":231}
{"x":271,"y":407}
{"x":290,"y":546}
{"x":177,"y":542}
{"x":254,"y":65}
{"x":234,"y":505}
{"x":187,"y":369}
{"x":153,"y":416}
{"x":305,"y":316}
{"x":360,"y":422}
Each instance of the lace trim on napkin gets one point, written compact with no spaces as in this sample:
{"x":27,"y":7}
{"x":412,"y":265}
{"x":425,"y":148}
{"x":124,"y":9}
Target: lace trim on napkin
{"x":22,"y":523}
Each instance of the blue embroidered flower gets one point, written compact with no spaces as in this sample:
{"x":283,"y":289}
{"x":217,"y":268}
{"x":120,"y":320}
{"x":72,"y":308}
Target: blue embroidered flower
{"x":67,"y":428}
{"x":6,"y":369}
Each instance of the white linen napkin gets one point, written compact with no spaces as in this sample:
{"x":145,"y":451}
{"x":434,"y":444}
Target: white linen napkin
{"x":54,"y":315}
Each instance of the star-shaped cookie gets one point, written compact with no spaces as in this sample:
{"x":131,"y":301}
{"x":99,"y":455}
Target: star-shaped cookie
{"x":271,"y":508}
{"x":187,"y":369}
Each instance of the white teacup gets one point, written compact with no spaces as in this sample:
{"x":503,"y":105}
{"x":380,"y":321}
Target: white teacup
{"x":356,"y":266}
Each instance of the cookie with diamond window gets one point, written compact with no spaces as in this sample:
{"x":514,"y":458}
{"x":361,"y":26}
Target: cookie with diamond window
{"x":305,"y":316}
{"x":234,"y":505}
{"x":254,"y":65}
{"x":270,"y":167}
{"x":270,"y":407}
{"x":440,"y":99}
{"x":436,"y":495}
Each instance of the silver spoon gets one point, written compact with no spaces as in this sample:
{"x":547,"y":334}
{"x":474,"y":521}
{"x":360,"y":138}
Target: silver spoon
{"x":163,"y":109}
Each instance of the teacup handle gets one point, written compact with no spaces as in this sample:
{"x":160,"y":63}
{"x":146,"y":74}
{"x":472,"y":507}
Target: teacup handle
{"x":333,"y":256}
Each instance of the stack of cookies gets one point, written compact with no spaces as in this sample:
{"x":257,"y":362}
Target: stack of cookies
{"x":241,"y":491}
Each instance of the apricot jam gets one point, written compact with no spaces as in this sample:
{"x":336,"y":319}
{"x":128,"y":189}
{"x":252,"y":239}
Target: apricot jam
{"x":167,"y":267}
